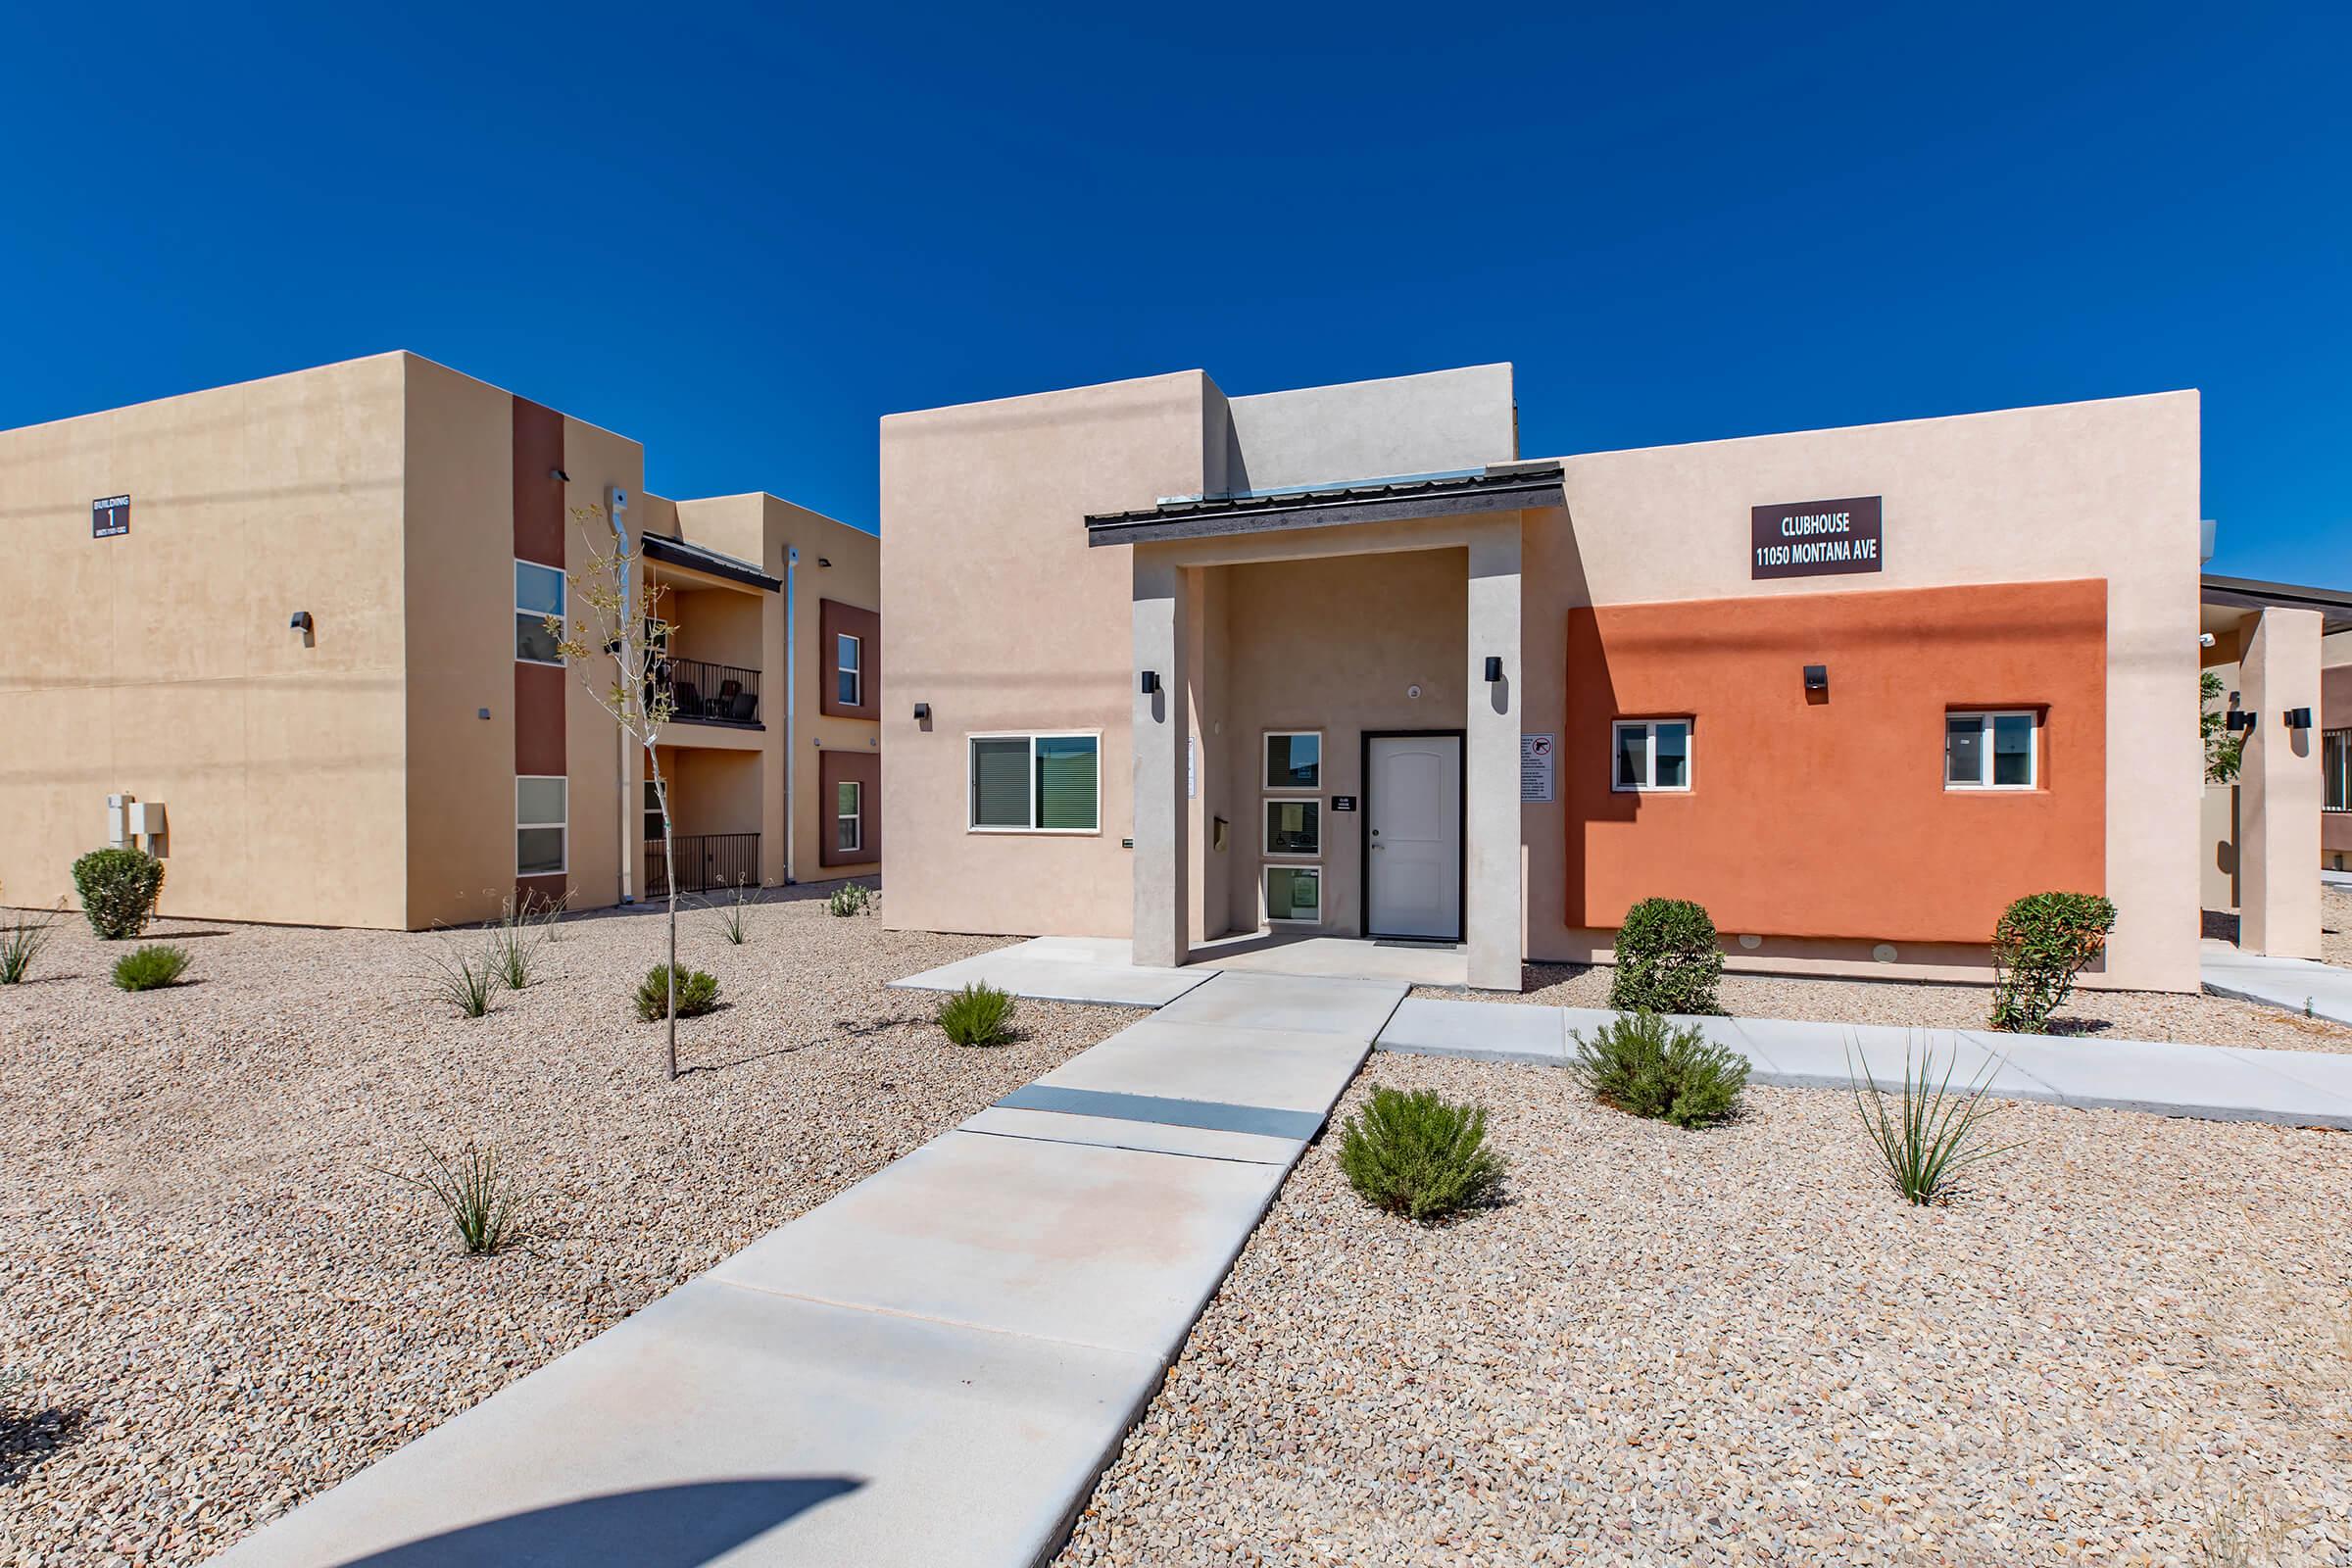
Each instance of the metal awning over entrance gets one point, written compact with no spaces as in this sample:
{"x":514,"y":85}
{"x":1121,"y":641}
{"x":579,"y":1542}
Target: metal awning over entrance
{"x":1497,"y":487}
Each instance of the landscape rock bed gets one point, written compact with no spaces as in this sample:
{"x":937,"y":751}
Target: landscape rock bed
{"x":219,"y":1302}
{"x":2132,"y":1344}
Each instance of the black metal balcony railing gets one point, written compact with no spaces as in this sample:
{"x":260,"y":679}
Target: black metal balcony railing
{"x":704,"y":693}
{"x":705,"y":860}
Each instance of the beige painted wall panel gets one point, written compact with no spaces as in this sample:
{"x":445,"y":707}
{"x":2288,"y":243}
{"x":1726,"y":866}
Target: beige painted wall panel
{"x":248,"y":504}
{"x":999,"y":615}
{"x":603,"y":772}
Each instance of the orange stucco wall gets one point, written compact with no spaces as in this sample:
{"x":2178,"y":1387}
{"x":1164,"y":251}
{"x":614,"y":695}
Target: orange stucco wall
{"x":1810,"y":818}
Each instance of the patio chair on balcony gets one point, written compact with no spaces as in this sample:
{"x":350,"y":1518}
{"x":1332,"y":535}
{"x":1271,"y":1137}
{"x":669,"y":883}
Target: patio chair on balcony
{"x":728,"y":691}
{"x":744,"y":706}
{"x":685,"y":700}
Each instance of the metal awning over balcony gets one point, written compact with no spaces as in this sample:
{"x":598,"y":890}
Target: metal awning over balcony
{"x":660,"y":547}
{"x":1497,"y":487}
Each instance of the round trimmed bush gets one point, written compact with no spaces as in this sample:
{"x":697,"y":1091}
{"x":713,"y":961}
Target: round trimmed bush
{"x":150,"y":968}
{"x":977,"y":1015}
{"x":1639,"y":1063}
{"x":2040,"y":943}
{"x":119,"y":889}
{"x":698,"y":993}
{"x":1418,"y":1155}
{"x":1667,"y":960}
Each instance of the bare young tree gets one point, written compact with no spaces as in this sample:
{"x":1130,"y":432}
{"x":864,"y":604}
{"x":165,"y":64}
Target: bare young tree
{"x":616,"y":625}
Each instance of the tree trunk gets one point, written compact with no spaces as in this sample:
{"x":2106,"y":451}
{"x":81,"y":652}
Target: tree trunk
{"x":669,"y":864}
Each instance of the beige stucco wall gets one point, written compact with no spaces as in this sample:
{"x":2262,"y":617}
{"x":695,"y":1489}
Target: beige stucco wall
{"x":2107,"y":489}
{"x":999,"y":615}
{"x":170,"y":670}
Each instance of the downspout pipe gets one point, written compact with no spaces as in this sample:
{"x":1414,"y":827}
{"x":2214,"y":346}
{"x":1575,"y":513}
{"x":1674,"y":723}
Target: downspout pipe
{"x":616,"y":507}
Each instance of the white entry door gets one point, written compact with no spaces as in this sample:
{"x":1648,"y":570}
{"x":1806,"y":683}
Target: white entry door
{"x":1413,"y":849}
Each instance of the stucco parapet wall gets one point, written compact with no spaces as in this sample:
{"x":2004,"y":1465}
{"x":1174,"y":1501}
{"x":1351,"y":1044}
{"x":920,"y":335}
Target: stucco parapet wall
{"x":1504,"y":487}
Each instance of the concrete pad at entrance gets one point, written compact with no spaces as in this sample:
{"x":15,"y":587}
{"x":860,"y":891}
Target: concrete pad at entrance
{"x":2179,"y":1079}
{"x":1237,"y":1000}
{"x":1093,"y":1246}
{"x":1293,"y":1070}
{"x":724,"y":1424}
{"x":1494,"y":1032}
{"x":1113,"y":1132}
{"x":1063,"y":969}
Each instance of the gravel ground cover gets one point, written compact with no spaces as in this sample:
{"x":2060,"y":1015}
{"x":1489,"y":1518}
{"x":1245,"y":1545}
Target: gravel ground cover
{"x":218,"y":1304}
{"x":2196,"y":1019}
{"x":2133,"y":1345}
{"x":2335,"y":924}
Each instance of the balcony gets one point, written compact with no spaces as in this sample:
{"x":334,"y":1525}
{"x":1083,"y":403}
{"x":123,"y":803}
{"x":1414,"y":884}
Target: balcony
{"x":703,"y":693}
{"x":705,"y":862}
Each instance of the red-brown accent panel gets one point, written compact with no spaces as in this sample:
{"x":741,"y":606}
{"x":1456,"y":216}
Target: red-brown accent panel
{"x":538,"y":494}
{"x":1830,"y":818}
{"x":539,"y":719}
{"x":832,"y":769}
{"x":837,"y":619}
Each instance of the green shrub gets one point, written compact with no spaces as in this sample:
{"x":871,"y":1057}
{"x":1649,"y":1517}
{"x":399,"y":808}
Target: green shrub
{"x":1667,"y":960}
{"x":735,"y":915}
{"x":119,"y":889}
{"x":513,"y":954}
{"x":1419,"y":1155}
{"x":150,"y":968}
{"x":977,"y":1015}
{"x":21,"y":940}
{"x":1932,"y":1136}
{"x":482,"y":1199}
{"x":465,"y":982}
{"x":1641,"y":1062}
{"x":2040,"y":943}
{"x":852,"y":898}
{"x":698,"y":993}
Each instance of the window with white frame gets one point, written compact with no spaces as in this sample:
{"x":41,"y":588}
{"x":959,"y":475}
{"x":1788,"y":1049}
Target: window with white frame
{"x":849,"y":675}
{"x":1295,"y":895}
{"x":849,"y":815}
{"x":1992,"y":751}
{"x":542,"y":823}
{"x":1294,"y":759}
{"x":1651,"y":754}
{"x":2335,"y":770}
{"x":538,"y":595}
{"x":1291,"y":817}
{"x":1036,"y":782}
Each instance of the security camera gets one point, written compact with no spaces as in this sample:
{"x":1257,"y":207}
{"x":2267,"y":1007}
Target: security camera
{"x":2204,"y":639}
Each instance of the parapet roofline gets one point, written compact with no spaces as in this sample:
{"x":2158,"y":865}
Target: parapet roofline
{"x":1497,"y":487}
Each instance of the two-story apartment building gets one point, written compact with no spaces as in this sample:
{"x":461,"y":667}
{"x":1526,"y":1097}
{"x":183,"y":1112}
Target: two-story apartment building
{"x":296,"y":629}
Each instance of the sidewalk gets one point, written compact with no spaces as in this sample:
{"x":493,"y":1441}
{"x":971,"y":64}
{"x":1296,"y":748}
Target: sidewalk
{"x":2297,"y":1088}
{"x":930,"y":1369}
{"x":2300,"y":985}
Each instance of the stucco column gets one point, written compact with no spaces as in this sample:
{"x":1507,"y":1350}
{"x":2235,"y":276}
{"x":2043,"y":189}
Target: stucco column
{"x":1491,"y":802}
{"x":2278,"y":789}
{"x":1158,"y":731}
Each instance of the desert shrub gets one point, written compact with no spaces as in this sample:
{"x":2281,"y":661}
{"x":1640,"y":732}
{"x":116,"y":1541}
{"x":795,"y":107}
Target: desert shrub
{"x":1418,"y":1155}
{"x":698,"y":993}
{"x":735,"y":915}
{"x":977,"y":1015}
{"x":22,"y":937}
{"x":850,"y":897}
{"x":464,"y":981}
{"x":2040,"y":943}
{"x":482,"y":1197}
{"x":150,"y":968}
{"x":1642,"y":1063}
{"x":119,"y":889}
{"x":1931,"y":1136}
{"x":1667,"y":960}
{"x":513,"y":954}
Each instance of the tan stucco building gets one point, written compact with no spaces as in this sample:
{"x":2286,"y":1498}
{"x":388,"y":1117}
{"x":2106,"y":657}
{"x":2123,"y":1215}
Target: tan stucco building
{"x":1182,"y":667}
{"x":299,"y":629}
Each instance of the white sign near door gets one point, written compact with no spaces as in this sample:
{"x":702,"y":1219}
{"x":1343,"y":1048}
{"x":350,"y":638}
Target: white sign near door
{"x":1534,"y":766}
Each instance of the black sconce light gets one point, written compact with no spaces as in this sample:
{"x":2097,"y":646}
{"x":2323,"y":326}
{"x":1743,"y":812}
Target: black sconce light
{"x":300,"y":622}
{"x":1493,"y":668}
{"x":822,"y":562}
{"x":1816,"y":678}
{"x":559,"y":475}
{"x":2238,"y":719}
{"x":1149,"y":683}
{"x":2297,"y":717}
{"x":922,"y":712}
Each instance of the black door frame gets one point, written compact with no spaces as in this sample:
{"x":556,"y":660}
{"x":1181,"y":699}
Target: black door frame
{"x":1363,"y":832}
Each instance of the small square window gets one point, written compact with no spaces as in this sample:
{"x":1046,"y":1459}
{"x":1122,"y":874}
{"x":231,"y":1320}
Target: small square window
{"x":1992,"y":751}
{"x":1294,"y":762}
{"x":1295,"y":893}
{"x":1651,"y":754}
{"x":1294,"y":827}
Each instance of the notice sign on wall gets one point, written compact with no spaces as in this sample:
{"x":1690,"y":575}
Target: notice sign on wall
{"x":1816,"y":538}
{"x":1534,"y":766}
{"x":108,"y":516}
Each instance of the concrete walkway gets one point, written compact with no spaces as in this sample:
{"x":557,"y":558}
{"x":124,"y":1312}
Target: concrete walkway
{"x":2298,"y":1088}
{"x":930,"y":1369}
{"x":2300,"y":985}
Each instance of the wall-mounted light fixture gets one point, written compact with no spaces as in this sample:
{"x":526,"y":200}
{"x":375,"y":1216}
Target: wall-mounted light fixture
{"x":2297,"y":717}
{"x":1816,"y":678}
{"x":300,"y":622}
{"x":559,"y":475}
{"x":1150,"y":682}
{"x":822,"y":562}
{"x":1493,"y":668}
{"x":2238,"y":719}
{"x":922,"y":712}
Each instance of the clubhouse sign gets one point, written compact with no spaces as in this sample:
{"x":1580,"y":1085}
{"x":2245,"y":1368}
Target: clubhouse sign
{"x":1816,"y":538}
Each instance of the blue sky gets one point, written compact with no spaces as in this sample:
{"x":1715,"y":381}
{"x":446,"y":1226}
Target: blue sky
{"x":741,"y":239}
